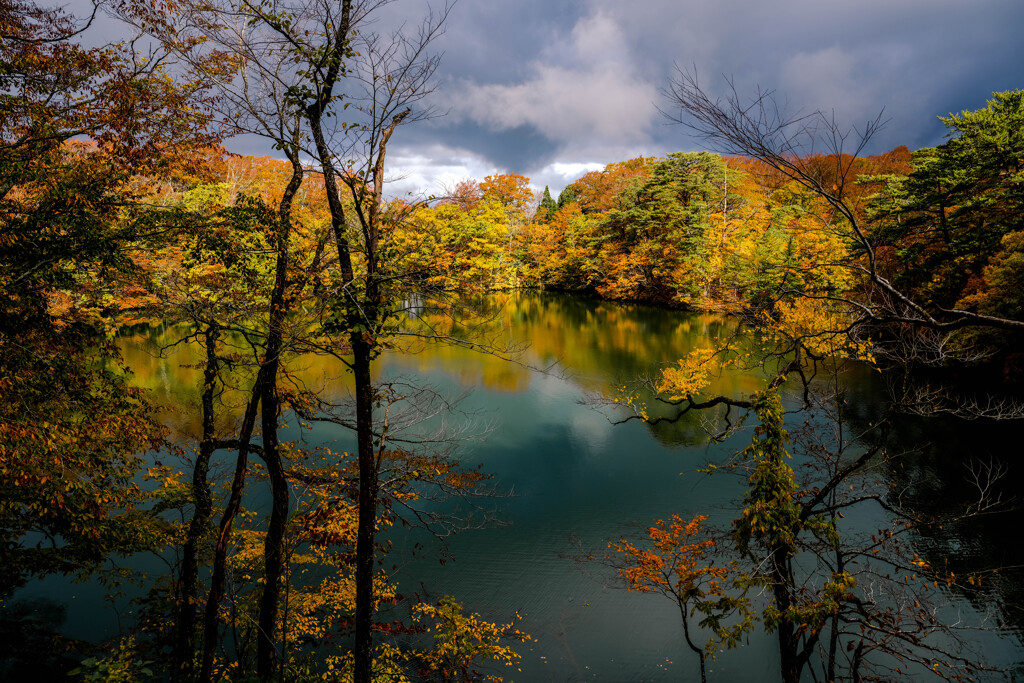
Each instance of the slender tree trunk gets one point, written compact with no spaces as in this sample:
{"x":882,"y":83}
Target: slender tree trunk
{"x":361,"y":314}
{"x":858,"y":659}
{"x":367,"y":526}
{"x":361,"y":318}
{"x":686,"y":635}
{"x":184,"y":644}
{"x":220,"y":556}
{"x":273,"y":548}
{"x":264,"y":391}
{"x":364,"y":345}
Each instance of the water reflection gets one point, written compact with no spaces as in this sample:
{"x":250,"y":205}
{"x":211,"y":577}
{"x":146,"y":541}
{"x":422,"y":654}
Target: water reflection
{"x":31,"y":644}
{"x":598,"y":345}
{"x":576,"y":475}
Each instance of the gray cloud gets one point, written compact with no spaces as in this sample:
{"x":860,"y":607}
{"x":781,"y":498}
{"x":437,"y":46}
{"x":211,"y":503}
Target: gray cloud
{"x":534,"y":87}
{"x":595,"y":92}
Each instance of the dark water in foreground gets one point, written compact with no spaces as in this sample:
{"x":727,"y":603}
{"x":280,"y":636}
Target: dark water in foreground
{"x":576,"y":480}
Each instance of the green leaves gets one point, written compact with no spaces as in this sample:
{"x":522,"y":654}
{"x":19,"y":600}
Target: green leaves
{"x":948,"y":217}
{"x":123,"y":665}
{"x":770,"y":516}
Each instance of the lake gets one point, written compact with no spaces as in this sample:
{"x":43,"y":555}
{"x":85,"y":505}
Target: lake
{"x":571,"y":480}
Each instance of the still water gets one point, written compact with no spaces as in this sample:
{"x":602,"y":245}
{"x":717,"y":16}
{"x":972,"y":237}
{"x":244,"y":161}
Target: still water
{"x":572,"y":479}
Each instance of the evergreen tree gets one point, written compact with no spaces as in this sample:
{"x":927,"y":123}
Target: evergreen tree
{"x":566,"y":196}
{"x":949,"y":217}
{"x":547,"y":207}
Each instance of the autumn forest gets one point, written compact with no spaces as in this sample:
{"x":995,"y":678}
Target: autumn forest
{"x":200,"y":416}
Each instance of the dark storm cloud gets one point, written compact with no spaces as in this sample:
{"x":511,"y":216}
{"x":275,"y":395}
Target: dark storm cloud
{"x":520,"y":147}
{"x":491,"y":41}
{"x":527,"y":84}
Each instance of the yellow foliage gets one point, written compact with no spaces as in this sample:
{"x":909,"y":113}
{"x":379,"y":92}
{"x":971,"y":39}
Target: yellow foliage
{"x":821,"y":327}
{"x":626,"y":273}
{"x":1003,"y":290}
{"x":462,"y":640}
{"x":692,"y":375}
{"x":389,"y":666}
{"x":821,"y":254}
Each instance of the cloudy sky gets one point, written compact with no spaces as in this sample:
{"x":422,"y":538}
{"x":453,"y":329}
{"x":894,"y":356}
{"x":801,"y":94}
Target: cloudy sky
{"x":553,"y":88}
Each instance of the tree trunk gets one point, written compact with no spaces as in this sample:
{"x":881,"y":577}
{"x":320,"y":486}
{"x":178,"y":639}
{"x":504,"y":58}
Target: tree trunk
{"x":362,"y":318}
{"x":686,"y":635}
{"x":788,"y":637}
{"x":184,"y":643}
{"x":273,"y":547}
{"x":220,"y":556}
{"x":365,"y":535}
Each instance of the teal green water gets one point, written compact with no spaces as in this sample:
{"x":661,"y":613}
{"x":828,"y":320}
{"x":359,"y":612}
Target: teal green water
{"x":572,"y":479}
{"x":578,"y":481}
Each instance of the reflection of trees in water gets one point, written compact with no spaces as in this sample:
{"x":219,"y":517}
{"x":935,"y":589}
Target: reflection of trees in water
{"x":596,"y":343}
{"x":600,"y":345}
{"x":982,"y":552}
{"x":934,"y":477}
{"x":172,"y":372}
{"x":31,"y":647}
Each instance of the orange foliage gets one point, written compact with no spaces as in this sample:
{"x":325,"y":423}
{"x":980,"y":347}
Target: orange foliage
{"x":679,"y":563}
{"x":560,"y":248}
{"x":511,"y":190}
{"x":466,"y":195}
{"x":596,"y":191}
